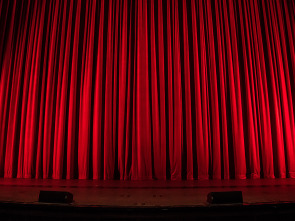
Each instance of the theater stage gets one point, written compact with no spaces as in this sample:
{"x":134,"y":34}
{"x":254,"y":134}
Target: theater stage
{"x":112,"y":198}
{"x":148,"y":193}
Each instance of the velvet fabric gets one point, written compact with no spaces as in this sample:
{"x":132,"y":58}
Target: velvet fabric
{"x":147,"y":89}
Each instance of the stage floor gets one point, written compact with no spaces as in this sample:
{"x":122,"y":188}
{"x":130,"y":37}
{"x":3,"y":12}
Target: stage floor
{"x":148,"y":193}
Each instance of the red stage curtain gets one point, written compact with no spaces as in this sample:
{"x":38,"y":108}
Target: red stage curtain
{"x":147,"y":89}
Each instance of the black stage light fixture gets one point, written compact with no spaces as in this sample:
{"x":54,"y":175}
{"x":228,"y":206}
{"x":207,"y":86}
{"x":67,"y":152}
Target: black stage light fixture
{"x":55,"y":197}
{"x":230,"y":197}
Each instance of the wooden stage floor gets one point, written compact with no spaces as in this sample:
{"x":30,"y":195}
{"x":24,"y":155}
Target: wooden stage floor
{"x":90,"y":193}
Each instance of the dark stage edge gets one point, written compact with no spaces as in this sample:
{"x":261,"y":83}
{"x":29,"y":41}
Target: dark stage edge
{"x":44,"y":212}
{"x":271,"y":199}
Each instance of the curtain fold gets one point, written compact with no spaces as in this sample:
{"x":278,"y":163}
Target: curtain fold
{"x":141,"y":90}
